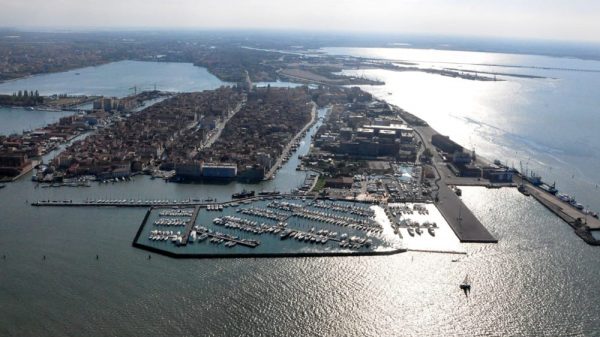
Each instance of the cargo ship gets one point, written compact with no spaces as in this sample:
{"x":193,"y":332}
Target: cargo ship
{"x":549,"y":188}
{"x":243,"y":194}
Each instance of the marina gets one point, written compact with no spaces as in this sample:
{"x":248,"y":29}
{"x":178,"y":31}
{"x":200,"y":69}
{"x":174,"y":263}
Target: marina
{"x":287,"y":226}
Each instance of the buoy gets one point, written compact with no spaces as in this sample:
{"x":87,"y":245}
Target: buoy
{"x":96,"y":257}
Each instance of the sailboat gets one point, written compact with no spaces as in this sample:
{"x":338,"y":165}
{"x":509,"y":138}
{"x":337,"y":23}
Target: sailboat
{"x":466,"y":285}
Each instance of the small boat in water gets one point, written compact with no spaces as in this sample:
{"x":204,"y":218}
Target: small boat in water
{"x":466,"y":285}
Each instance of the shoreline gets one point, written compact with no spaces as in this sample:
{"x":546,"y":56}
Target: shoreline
{"x":34,"y":108}
{"x":551,"y":202}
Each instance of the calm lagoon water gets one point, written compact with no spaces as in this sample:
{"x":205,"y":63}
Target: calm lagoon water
{"x":17,"y":120}
{"x":540,"y":279}
{"x":114,"y":79}
{"x":118,"y":79}
{"x":548,"y":124}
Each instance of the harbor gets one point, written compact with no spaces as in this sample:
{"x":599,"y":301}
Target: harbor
{"x":469,"y":229}
{"x":295,"y":259}
{"x":290,"y":226}
{"x":283,"y":226}
{"x":582,"y":223}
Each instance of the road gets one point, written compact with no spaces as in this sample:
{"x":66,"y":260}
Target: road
{"x":212,"y":138}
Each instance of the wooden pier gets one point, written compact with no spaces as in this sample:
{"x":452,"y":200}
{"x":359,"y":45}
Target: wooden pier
{"x":251,"y":244}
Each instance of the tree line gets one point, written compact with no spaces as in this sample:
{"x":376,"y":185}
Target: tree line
{"x":22,"y":98}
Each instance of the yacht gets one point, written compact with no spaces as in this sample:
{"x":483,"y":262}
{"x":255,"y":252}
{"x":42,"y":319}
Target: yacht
{"x":466,"y":284}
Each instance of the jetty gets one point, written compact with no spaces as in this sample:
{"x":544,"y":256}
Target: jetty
{"x":462,"y":221}
{"x":580,"y":222}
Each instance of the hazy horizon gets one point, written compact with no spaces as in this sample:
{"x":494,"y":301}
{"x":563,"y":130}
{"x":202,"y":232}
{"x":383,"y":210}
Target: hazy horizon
{"x":556,"y":20}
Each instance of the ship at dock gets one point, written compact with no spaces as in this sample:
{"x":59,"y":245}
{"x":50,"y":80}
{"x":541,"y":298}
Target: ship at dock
{"x":536,"y":180}
{"x":243,"y":194}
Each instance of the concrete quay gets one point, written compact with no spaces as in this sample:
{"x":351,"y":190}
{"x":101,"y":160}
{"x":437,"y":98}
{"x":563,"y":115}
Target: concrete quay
{"x":462,"y":221}
{"x":581,"y":223}
{"x":467,"y":229}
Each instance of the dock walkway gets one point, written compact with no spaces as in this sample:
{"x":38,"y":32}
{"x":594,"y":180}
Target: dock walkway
{"x":250,"y":244}
{"x":581,"y":223}
{"x":189,"y":226}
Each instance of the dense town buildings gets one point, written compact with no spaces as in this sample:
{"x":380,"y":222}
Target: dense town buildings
{"x":257,"y":135}
{"x":165,"y":134}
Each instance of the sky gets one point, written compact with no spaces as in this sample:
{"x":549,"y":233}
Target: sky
{"x":571,"y":20}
